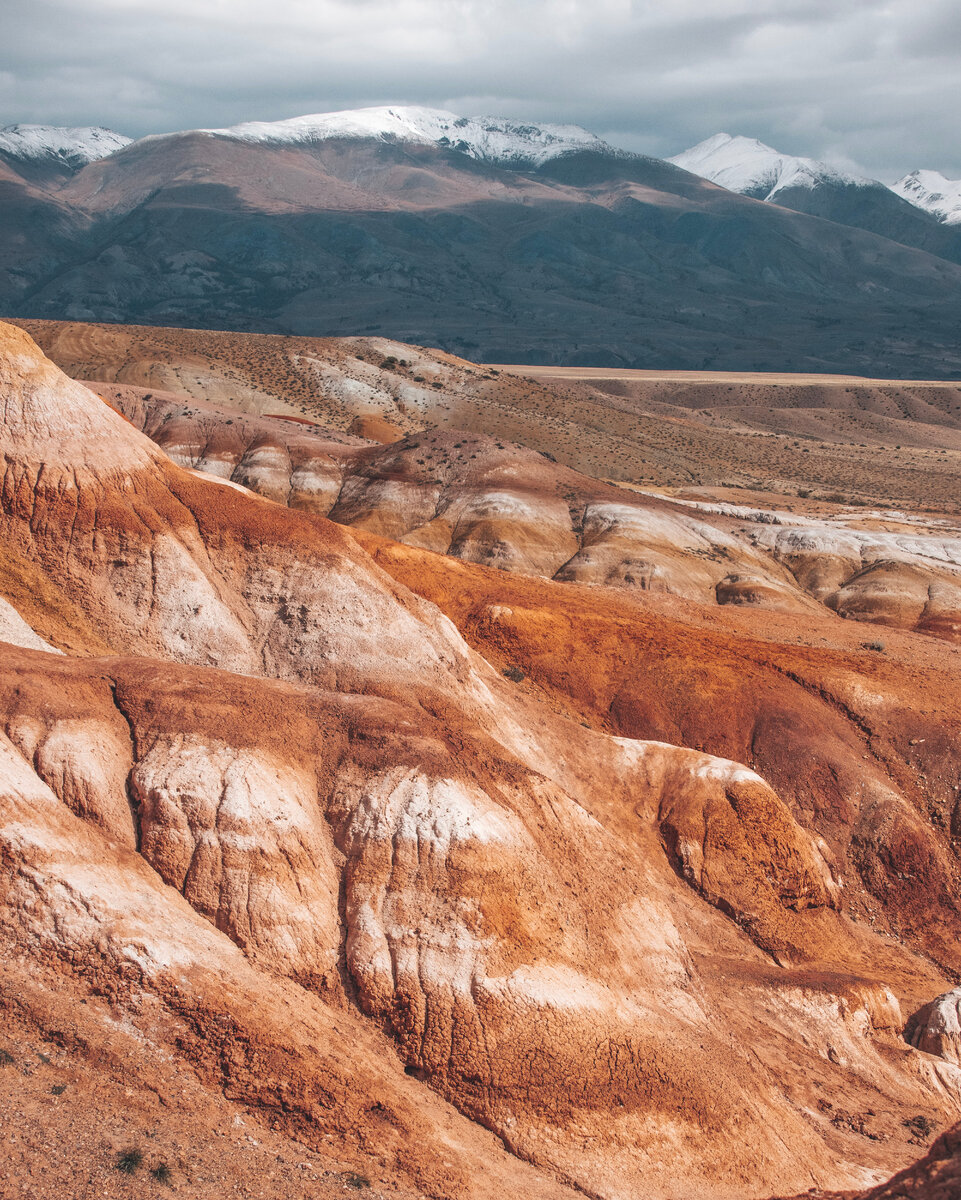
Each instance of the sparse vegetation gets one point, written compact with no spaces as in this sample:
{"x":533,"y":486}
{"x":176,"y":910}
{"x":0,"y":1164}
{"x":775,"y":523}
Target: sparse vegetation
{"x":161,"y":1172}
{"x":514,"y":674}
{"x":353,"y":1180}
{"x":877,"y":647}
{"x":921,"y":1126}
{"x":6,"y":1058}
{"x":129,"y":1161}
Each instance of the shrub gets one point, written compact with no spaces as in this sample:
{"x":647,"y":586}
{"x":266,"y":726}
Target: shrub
{"x":162,"y":1173}
{"x":6,"y":1058}
{"x":353,"y":1180}
{"x":514,"y":674}
{"x":128,"y":1161}
{"x":920,"y":1125}
{"x":877,"y":647}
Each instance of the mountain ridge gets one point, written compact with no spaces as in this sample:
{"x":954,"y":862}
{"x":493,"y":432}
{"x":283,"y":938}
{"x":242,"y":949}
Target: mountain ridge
{"x":742,"y":164}
{"x":934,"y":193}
{"x":586,"y":257}
{"x":488,"y":139}
{"x":750,"y":167}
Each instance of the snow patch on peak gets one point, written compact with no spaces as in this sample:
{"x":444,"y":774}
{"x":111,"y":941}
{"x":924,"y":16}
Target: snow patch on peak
{"x":488,"y":139}
{"x":73,"y":146}
{"x":934,"y":193}
{"x":748,"y":166}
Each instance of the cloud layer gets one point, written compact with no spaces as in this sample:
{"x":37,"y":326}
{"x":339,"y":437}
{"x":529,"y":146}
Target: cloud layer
{"x":872,"y":83}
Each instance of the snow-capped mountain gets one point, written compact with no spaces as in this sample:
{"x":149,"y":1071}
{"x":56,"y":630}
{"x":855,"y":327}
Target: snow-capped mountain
{"x":488,"y":139}
{"x":72,"y":146}
{"x":747,"y":166}
{"x":810,"y":186}
{"x":932,"y":192}
{"x":751,"y":168}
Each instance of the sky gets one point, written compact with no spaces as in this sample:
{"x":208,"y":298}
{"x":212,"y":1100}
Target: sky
{"x":868,"y":84}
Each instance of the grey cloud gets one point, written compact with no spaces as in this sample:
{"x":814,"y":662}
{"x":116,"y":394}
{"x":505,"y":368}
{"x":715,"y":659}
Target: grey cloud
{"x":872,"y":82}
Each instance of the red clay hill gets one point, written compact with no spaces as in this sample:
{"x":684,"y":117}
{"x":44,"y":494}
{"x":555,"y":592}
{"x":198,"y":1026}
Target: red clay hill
{"x":329,"y":862}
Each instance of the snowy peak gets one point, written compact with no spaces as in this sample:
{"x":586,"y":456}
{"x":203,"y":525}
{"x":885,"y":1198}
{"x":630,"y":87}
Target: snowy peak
{"x":934,"y":193}
{"x":74,"y":147}
{"x":750,"y":167}
{"x":488,"y":139}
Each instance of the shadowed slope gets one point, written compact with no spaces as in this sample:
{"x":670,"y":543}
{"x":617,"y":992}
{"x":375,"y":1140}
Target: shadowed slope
{"x":936,"y":1176}
{"x":593,"y":258}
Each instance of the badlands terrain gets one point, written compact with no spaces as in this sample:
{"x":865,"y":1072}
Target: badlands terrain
{"x":424,"y":779}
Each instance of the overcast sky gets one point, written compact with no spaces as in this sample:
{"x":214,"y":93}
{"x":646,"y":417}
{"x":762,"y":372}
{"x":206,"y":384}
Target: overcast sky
{"x":869,"y":83}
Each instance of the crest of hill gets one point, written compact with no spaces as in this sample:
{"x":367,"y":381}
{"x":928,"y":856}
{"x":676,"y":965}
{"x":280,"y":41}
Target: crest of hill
{"x":487,"y":139}
{"x":748,"y":166}
{"x":934,"y":193}
{"x":887,"y":442}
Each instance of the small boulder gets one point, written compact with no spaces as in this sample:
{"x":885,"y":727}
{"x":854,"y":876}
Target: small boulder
{"x":937,"y":1027}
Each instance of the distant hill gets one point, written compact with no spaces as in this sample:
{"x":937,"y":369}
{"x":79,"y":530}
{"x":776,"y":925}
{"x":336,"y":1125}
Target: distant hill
{"x":487,"y":238}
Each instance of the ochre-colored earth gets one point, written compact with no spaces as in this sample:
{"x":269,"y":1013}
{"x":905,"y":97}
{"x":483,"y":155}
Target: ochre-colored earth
{"x":332,"y":863}
{"x":831,"y":437}
{"x":484,"y":500}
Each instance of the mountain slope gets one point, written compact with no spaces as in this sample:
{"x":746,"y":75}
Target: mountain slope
{"x":591,"y":257}
{"x":751,"y":168}
{"x":930,"y":191}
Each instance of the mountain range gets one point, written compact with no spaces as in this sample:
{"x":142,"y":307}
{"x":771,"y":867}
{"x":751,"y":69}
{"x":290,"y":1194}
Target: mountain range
{"x":503,"y":241}
{"x":916,"y":210}
{"x":750,"y":167}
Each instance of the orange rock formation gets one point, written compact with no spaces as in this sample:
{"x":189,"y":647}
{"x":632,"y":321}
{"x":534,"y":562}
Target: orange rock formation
{"x":276,"y":819}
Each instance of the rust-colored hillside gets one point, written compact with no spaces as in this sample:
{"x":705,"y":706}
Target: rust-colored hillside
{"x":830,"y":438}
{"x":332,"y":863}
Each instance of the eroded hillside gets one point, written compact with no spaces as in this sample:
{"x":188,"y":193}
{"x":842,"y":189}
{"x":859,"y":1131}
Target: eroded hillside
{"x":274,"y":817}
{"x":484,"y":500}
{"x":837,"y":439}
